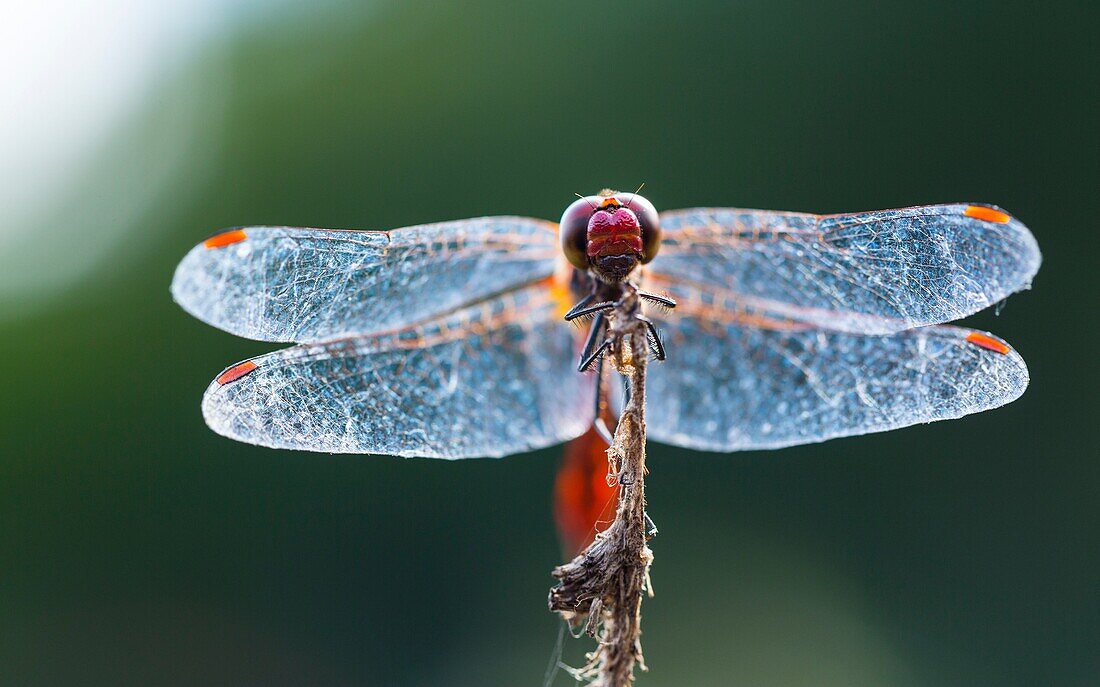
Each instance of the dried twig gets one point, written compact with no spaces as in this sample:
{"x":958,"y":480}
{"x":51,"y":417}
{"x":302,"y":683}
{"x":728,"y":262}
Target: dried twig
{"x":602,"y":587}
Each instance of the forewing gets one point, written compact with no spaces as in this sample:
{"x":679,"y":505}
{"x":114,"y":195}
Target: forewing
{"x":307,"y":285}
{"x":490,"y":380}
{"x":740,"y":380}
{"x":871,"y":272}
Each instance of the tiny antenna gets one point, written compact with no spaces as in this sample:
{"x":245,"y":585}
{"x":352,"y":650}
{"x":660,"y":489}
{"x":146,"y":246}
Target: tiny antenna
{"x":585,"y":200}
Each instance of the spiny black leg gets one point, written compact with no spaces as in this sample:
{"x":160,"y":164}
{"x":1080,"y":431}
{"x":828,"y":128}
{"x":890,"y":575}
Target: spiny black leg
{"x":603,"y":430}
{"x":655,"y":340}
{"x":594,"y":335}
{"x":657,"y":298}
{"x":583,"y":302}
{"x":599,"y":324}
{"x":598,"y":423}
{"x":587,"y":362}
{"x":581,"y":312}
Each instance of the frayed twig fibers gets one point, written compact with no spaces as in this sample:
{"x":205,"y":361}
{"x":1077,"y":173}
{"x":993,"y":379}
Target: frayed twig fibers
{"x":602,"y":587}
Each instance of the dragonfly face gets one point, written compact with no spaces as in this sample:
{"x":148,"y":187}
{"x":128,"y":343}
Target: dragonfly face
{"x":445,"y":340}
{"x":610,"y":234}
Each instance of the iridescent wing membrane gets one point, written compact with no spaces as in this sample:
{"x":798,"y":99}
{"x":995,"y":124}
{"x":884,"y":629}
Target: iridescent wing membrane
{"x":871,"y":272}
{"x":492,"y":379}
{"x":443,"y":340}
{"x":309,"y":285}
{"x":795,"y":328}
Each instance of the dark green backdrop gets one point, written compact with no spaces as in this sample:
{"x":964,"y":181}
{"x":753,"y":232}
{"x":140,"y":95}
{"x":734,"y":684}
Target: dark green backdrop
{"x":137,"y":547}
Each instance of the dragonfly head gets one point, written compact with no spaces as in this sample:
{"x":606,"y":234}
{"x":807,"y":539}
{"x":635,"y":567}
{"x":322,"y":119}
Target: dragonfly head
{"x":610,"y":234}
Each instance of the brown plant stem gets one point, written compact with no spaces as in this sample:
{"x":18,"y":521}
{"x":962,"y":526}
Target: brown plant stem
{"x":602,"y":587}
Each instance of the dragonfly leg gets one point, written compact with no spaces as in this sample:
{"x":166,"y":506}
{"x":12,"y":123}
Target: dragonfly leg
{"x":598,"y":325}
{"x":580,"y":304}
{"x":599,"y":322}
{"x":654,"y":337}
{"x":591,"y":351}
{"x":657,"y":298}
{"x":650,"y":526}
{"x":587,"y":362}
{"x":598,"y":423}
{"x":579,"y":311}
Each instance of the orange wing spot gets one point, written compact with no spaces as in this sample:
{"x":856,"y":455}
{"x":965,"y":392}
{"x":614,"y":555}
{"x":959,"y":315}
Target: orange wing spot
{"x":988,"y":342}
{"x":236,"y":372}
{"x":987,"y":214}
{"x":226,"y":238}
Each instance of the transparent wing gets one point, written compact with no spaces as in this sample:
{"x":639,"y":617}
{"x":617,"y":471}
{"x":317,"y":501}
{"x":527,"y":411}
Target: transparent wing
{"x":306,"y":285}
{"x":870,"y":272}
{"x":490,"y":380}
{"x":737,"y":380}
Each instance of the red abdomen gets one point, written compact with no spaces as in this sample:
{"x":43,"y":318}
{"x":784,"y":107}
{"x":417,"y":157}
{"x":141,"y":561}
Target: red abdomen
{"x":583,"y":501}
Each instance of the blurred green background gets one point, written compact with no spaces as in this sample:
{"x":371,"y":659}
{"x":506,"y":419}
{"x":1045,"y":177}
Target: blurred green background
{"x":139,"y":548}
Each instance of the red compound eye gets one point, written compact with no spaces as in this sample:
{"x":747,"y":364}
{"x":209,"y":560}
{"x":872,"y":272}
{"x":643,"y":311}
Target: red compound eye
{"x":649,"y":220}
{"x":573,"y":230}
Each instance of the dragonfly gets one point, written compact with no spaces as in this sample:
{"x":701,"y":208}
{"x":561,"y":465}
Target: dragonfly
{"x":447,"y":340}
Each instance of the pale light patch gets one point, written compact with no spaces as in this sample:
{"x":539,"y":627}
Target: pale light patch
{"x":99,"y":118}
